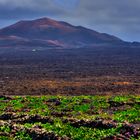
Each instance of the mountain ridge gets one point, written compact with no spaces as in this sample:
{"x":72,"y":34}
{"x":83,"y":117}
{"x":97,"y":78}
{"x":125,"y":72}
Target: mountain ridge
{"x":50,"y":33}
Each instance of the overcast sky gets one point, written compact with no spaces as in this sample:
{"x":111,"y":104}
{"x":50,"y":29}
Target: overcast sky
{"x":116,"y":17}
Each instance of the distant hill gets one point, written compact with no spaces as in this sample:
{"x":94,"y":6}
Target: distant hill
{"x":49,"y":33}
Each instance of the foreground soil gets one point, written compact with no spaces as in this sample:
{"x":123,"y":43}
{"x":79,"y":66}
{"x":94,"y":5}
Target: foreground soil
{"x":70,"y":117}
{"x":102,"y":85}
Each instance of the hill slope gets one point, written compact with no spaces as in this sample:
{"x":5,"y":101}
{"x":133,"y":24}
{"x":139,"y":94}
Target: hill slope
{"x":47,"y":32}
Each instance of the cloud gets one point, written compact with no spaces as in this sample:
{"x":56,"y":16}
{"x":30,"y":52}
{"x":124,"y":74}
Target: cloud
{"x":118,"y":17}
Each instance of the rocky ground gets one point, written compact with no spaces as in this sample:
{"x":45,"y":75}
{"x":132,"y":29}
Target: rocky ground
{"x":67,"y":117}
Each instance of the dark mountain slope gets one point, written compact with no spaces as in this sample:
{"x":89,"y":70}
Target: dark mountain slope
{"x":47,"y":32}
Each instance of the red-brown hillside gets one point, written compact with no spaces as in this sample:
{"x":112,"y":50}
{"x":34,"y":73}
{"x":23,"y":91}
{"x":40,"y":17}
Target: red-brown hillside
{"x":47,"y":32}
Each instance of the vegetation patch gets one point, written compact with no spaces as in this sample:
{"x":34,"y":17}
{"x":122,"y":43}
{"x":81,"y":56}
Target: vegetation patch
{"x":70,"y":117}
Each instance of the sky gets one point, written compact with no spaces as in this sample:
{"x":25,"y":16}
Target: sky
{"x":116,"y":17}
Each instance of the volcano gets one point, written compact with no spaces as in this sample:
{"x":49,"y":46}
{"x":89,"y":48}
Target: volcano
{"x":49,"y":33}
